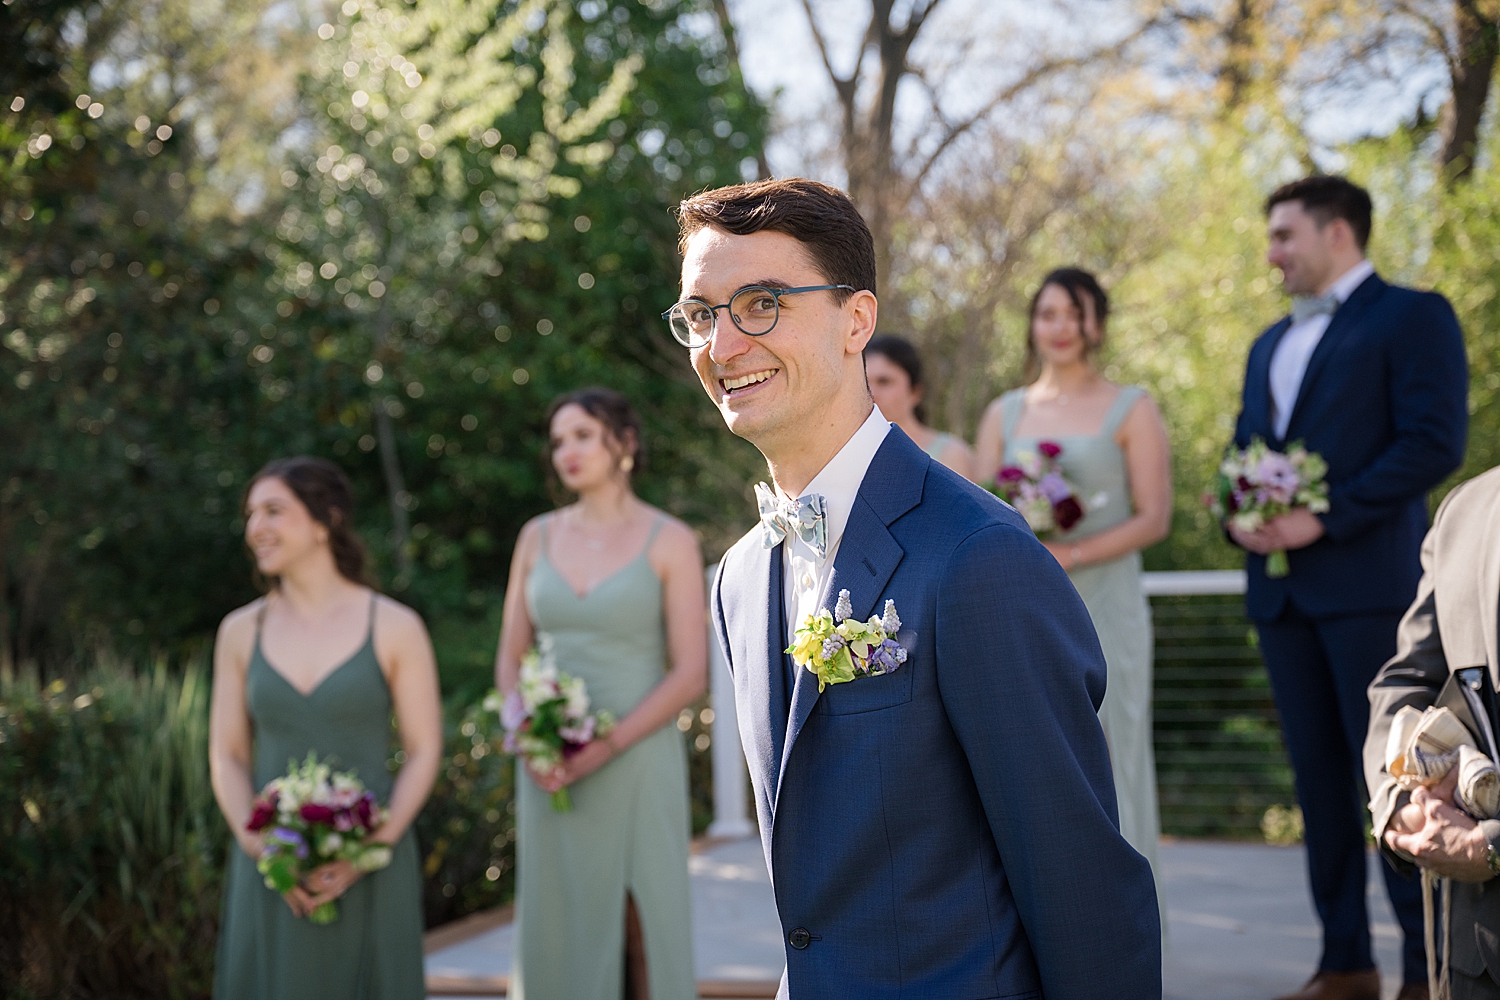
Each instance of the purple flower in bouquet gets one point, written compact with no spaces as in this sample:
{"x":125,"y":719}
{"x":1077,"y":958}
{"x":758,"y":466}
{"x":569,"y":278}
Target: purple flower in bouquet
{"x":1035,"y":486}
{"x":315,"y":815}
{"x":1257,"y":485}
{"x":288,"y":838}
{"x":547,"y":720}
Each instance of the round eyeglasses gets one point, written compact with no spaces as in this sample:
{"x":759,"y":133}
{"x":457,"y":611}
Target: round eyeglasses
{"x":754,"y":310}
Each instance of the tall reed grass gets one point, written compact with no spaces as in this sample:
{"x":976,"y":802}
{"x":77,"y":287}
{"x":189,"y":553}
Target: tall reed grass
{"x":111,"y":846}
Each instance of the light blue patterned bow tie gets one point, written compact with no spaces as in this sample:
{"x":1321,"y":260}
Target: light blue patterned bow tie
{"x":804,"y":518}
{"x":1305,"y":307}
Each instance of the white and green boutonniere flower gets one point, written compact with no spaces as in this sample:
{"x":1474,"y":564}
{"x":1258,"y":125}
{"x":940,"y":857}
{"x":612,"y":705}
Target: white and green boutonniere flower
{"x":837,"y":648}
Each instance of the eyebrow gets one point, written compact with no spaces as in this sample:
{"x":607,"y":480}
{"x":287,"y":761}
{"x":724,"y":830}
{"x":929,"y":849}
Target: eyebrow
{"x":775,"y":284}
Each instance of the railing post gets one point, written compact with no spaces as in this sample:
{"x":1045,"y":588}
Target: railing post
{"x":728,"y":760}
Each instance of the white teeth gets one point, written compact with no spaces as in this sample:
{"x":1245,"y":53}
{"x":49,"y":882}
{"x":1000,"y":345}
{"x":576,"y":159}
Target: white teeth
{"x":731,"y":384}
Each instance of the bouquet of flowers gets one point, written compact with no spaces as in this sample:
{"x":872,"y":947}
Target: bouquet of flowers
{"x":1257,"y":485}
{"x":1038,"y":491}
{"x":547,"y":720}
{"x":837,"y":647}
{"x":313,"y":815}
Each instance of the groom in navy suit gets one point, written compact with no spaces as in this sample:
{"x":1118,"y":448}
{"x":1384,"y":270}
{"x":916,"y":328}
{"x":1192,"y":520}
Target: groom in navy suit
{"x":946,"y":829}
{"x":1372,"y":377}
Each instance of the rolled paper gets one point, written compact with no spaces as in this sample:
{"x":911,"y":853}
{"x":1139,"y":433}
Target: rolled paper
{"x":1478,"y":789}
{"x":1440,"y":732}
{"x":1398,"y":742}
{"x":1423,"y":746}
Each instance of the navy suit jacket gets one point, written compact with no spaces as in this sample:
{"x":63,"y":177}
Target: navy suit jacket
{"x":1385,"y":402}
{"x":947,"y":830}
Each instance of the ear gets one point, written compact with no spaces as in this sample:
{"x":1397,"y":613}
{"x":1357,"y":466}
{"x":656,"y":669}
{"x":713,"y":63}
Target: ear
{"x":862,"y":310}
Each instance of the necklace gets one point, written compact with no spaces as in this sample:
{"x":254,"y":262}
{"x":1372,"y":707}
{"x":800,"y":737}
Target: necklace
{"x":592,"y":544}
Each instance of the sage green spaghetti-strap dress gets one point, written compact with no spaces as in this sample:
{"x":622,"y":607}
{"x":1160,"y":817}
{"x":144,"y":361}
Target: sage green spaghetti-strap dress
{"x":373,"y":951}
{"x":629,"y":826}
{"x":1095,"y":465}
{"x":939,"y":445}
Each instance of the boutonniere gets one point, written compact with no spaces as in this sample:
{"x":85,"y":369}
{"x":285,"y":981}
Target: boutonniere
{"x":837,"y":648}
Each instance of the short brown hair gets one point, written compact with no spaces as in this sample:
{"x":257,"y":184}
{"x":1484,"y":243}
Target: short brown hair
{"x":324,"y":490}
{"x":1327,"y":198}
{"x":820,"y":217}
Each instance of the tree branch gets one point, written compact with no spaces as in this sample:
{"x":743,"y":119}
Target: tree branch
{"x":1029,"y":80}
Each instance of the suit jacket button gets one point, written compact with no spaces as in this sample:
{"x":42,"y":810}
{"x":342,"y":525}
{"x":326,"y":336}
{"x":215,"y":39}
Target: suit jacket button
{"x":799,"y":938}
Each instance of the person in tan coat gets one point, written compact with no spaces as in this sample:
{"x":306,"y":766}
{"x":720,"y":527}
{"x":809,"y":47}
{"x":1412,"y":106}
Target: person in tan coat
{"x":1452,"y":626}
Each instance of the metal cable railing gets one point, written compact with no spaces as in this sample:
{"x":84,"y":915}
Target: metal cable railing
{"x":1220,"y":763}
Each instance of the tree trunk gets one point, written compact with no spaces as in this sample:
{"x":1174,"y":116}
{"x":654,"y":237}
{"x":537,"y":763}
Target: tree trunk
{"x":390,"y":460}
{"x":7,"y":653}
{"x":1471,"y":68}
{"x":1241,"y":39}
{"x":732,"y":49}
{"x":385,"y":432}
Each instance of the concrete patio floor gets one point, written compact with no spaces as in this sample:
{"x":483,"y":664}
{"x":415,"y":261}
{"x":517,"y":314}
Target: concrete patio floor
{"x":1241,"y":926}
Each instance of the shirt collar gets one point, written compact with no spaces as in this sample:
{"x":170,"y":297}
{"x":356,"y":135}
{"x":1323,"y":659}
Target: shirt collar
{"x":1346,"y":283}
{"x":840,"y":479}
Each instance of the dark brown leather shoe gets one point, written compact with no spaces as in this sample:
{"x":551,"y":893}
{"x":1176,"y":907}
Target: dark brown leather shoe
{"x":1364,"y":985}
{"x":1414,"y":991}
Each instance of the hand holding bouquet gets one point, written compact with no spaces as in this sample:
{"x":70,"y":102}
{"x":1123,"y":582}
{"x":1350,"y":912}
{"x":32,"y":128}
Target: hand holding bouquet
{"x":309,"y":817}
{"x":1258,"y":485}
{"x":1037,"y":490}
{"x":547,"y":720}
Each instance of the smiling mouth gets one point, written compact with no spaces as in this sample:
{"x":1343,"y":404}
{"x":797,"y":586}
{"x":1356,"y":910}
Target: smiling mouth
{"x":739,"y":383}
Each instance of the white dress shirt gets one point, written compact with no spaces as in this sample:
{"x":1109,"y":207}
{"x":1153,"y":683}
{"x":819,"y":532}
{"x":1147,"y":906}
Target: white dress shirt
{"x":1295,"y":349}
{"x":806,"y":576}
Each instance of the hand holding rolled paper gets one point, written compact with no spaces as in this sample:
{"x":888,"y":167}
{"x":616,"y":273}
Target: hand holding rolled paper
{"x":1424,"y":746}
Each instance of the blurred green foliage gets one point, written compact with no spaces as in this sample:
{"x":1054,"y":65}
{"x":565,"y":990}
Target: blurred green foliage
{"x":1175,"y":228}
{"x":167,"y":325}
{"x":112,"y":846}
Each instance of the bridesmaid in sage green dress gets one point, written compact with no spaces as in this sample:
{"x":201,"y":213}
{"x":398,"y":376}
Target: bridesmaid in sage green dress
{"x":609,"y":590}
{"x":893,"y":369}
{"x":319,"y":664}
{"x":1115,"y":452}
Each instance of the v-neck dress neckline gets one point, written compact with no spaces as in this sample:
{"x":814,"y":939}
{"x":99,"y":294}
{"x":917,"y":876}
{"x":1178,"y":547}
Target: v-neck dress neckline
{"x":544,"y":557}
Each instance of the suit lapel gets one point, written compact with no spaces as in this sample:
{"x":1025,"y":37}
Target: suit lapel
{"x":868,"y":554}
{"x":775,"y":667}
{"x":1341,"y":323}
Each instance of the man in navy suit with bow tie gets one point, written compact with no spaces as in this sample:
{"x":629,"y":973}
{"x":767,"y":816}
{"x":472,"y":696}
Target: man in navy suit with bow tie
{"x":944,"y":827}
{"x":1372,"y":377}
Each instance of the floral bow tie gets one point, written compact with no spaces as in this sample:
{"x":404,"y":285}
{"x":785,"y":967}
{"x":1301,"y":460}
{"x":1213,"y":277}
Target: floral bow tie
{"x":804,"y":518}
{"x":1305,"y":307}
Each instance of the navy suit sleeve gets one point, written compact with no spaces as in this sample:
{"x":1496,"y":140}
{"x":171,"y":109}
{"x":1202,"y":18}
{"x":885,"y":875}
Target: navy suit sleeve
{"x":1429,"y":383}
{"x":1021,"y":677}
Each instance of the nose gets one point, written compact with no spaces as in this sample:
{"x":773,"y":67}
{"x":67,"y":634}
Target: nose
{"x":727,"y":340}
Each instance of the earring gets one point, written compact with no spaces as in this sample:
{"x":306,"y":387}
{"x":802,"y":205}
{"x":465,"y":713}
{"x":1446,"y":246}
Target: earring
{"x":627,"y":463}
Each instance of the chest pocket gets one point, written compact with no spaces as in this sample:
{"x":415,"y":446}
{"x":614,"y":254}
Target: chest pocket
{"x":872,"y":694}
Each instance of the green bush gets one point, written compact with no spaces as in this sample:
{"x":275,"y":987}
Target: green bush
{"x":467,"y":832}
{"x":111,"y":845}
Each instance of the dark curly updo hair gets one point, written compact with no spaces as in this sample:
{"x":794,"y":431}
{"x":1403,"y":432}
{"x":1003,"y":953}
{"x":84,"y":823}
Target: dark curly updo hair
{"x":612,"y":410}
{"x":324,"y":490}
{"x":900,"y":352}
{"x":1077,"y":283}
